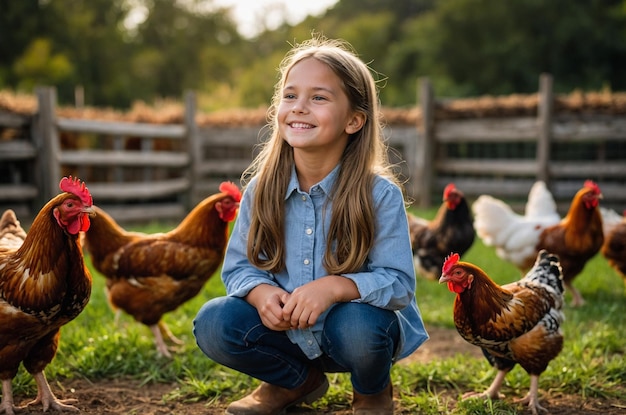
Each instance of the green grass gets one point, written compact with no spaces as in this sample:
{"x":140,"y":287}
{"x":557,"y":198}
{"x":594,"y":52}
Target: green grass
{"x":590,"y":365}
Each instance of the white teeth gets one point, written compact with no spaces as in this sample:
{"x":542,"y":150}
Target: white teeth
{"x":300,"y":125}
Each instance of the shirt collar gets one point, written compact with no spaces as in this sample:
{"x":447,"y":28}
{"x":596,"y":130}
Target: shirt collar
{"x":325,"y":185}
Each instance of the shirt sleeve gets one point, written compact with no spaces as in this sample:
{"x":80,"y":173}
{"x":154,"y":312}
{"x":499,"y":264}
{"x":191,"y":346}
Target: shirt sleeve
{"x":238,"y":274}
{"x":388,"y":280}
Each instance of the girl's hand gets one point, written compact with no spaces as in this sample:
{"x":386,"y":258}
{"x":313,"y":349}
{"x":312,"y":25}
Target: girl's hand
{"x":305,"y":304}
{"x":267,"y":299}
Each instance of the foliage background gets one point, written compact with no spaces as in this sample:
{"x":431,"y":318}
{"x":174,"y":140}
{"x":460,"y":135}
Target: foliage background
{"x":467,"y":48}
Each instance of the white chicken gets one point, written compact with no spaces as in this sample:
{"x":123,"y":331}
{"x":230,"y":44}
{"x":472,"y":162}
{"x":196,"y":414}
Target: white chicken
{"x":498,"y":225}
{"x":610,"y":219}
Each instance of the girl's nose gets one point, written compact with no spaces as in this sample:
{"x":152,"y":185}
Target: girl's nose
{"x":298,"y":107}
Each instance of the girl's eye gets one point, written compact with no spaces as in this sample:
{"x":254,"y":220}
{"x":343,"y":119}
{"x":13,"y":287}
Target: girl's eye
{"x":289,"y":96}
{"x":319,"y":98}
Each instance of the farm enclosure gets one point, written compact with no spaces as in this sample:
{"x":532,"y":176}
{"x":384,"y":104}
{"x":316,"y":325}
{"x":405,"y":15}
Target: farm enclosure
{"x":159,"y":166}
{"x":579,"y":383}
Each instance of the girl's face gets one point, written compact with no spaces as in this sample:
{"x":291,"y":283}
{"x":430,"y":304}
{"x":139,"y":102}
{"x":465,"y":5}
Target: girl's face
{"x":314,"y":115}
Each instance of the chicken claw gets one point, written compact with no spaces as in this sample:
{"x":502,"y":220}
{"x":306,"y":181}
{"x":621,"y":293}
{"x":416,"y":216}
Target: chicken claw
{"x":167,"y":334}
{"x":47,"y":398}
{"x":161,"y":333}
{"x":531,"y":397}
{"x":493,"y":392}
{"x":485,"y":394}
{"x":54,"y":403}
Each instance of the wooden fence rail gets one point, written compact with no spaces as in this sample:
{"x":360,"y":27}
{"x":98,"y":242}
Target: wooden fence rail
{"x":563,"y":149}
{"x":140,"y":171}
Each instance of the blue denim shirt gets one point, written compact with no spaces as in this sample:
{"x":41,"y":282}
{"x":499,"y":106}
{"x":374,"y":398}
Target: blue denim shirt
{"x":387,"y":280}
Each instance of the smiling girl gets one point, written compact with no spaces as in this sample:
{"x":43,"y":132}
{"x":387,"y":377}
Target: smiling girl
{"x":319,"y":269}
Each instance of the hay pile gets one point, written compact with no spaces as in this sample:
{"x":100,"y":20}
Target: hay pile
{"x":172,"y":112}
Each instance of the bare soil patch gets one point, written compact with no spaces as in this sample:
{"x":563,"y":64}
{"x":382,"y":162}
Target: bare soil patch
{"x":129,"y":397}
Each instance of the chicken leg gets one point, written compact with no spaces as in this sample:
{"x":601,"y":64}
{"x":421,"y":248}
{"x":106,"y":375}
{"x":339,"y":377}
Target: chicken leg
{"x":6,"y":406}
{"x":532,"y":398}
{"x":47,"y":398}
{"x":493,"y":392}
{"x":162,"y":332}
{"x":577,"y":298}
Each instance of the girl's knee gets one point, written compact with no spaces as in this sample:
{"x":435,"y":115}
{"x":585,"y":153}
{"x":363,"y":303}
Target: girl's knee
{"x":359,"y":332}
{"x":210,"y":324}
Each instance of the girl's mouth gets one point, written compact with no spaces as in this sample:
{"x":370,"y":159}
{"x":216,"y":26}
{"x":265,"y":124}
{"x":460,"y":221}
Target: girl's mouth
{"x":300,"y":125}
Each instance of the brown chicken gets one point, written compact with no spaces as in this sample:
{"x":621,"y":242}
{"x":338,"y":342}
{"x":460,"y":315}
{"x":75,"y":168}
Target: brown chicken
{"x":451,"y":230}
{"x":514,"y":323}
{"x":44,"y":284}
{"x":148,"y":275}
{"x":614,"y":247}
{"x":575,"y":239}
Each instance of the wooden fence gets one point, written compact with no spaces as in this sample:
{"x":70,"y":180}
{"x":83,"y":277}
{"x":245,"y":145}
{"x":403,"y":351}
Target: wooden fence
{"x":561,"y":148}
{"x":159,"y":172}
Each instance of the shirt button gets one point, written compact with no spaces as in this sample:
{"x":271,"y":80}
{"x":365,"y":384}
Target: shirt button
{"x":309,"y":231}
{"x":306,"y":262}
{"x":304,"y":197}
{"x":310,"y":342}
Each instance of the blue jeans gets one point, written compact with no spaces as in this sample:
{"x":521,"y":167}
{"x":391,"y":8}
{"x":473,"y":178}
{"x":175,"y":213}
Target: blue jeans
{"x":357,"y":338}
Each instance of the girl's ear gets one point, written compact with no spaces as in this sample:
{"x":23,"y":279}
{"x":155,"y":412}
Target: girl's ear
{"x":356,"y":122}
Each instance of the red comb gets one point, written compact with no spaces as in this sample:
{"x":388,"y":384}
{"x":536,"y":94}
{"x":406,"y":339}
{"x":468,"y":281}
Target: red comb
{"x":446,"y":192}
{"x":77,"y":188}
{"x":590,"y":184}
{"x":231,"y":189}
{"x":449,"y":262}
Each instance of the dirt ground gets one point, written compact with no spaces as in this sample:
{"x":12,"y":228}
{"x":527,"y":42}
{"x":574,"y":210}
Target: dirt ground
{"x":126,"y":397}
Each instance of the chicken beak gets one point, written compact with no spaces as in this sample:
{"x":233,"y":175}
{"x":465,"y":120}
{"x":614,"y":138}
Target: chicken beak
{"x":443,"y":278}
{"x":89,"y":210}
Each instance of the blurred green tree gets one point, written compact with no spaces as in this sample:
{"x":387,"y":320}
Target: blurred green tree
{"x":198,"y":49}
{"x":38,"y":66}
{"x":467,"y":47}
{"x":475,"y":47}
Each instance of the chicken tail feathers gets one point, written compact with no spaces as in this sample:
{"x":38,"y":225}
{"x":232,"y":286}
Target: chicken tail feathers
{"x":547,"y":272}
{"x":12,"y":234}
{"x":9,"y":221}
{"x":541,"y":204}
{"x":494,"y":220}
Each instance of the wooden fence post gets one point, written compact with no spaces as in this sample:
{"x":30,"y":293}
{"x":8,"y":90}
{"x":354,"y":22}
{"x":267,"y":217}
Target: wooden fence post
{"x":544,"y":113}
{"x":47,"y":141}
{"x":193,"y":148}
{"x":424,"y":159}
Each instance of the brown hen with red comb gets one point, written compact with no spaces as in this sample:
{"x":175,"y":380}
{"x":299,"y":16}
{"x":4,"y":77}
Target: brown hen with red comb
{"x":148,"y":275}
{"x":44,"y":285}
{"x":517,"y":323}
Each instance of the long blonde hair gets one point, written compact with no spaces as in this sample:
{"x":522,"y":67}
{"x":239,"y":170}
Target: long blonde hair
{"x":352,"y":224}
